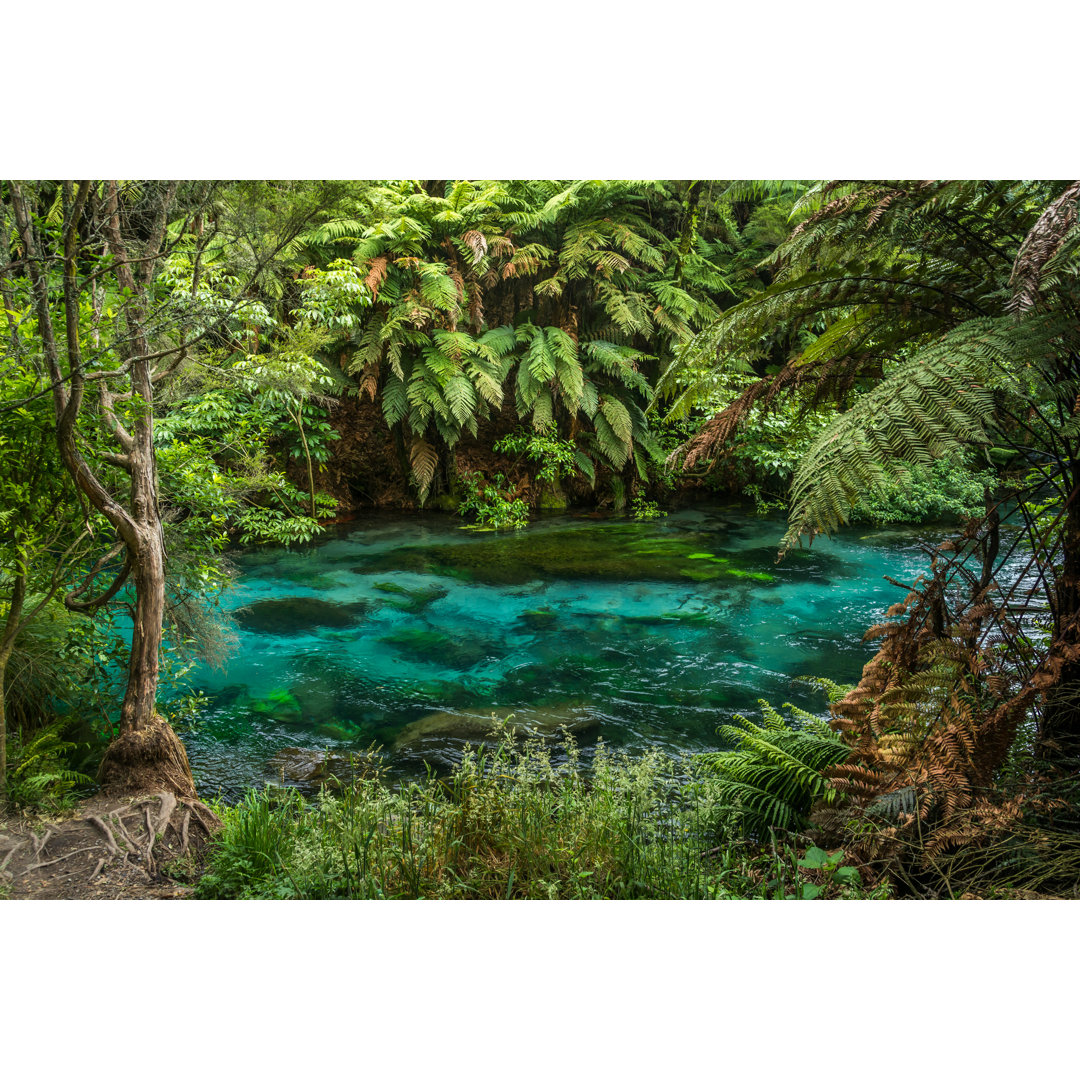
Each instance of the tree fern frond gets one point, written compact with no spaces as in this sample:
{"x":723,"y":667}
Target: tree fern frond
{"x":616,"y":414}
{"x":933,"y":404}
{"x":776,"y":772}
{"x":608,"y":442}
{"x":423,"y":458}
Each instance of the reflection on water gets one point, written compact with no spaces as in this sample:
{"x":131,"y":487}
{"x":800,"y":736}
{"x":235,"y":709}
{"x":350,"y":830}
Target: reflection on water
{"x":409,"y":632}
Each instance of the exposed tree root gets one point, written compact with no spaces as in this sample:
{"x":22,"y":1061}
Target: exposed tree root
{"x":110,"y":840}
{"x":115,"y":849}
{"x":41,"y":865}
{"x":7,"y":857}
{"x":40,"y":842}
{"x":150,"y":759}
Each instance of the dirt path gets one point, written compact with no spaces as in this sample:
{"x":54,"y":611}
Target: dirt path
{"x":141,"y":848}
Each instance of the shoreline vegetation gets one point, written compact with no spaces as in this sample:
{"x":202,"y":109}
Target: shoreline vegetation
{"x":188,"y":366}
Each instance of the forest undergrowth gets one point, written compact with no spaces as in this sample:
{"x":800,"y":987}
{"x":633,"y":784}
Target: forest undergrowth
{"x":510,"y":823}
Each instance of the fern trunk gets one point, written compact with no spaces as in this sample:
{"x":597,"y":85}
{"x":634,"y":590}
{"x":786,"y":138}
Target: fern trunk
{"x":1059,"y":732}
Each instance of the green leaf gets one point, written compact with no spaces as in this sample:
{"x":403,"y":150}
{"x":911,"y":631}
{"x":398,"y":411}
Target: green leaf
{"x":814,"y":859}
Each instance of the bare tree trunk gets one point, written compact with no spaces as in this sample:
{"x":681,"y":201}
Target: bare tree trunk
{"x":4,"y":657}
{"x":297,"y":417}
{"x":147,"y":753}
{"x":148,"y":578}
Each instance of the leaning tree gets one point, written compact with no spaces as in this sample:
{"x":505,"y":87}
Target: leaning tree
{"x":86,"y":257}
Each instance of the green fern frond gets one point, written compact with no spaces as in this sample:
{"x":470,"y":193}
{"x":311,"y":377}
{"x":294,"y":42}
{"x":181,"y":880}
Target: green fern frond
{"x":935,"y":404}
{"x":616,"y":414}
{"x":776,"y":772}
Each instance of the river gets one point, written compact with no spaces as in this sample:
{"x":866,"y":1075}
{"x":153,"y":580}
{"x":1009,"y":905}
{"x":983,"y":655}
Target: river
{"x":409,"y":631}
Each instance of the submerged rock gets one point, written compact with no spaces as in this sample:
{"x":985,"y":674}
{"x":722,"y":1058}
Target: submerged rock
{"x":280,"y":706}
{"x":613,"y":551}
{"x":539,"y":618}
{"x":477,"y":726}
{"x":411,"y":600}
{"x":297,"y":615}
{"x":432,"y":647}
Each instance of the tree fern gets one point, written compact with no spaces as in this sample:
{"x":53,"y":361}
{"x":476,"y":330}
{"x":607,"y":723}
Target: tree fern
{"x":565,"y":294}
{"x":931,"y":406}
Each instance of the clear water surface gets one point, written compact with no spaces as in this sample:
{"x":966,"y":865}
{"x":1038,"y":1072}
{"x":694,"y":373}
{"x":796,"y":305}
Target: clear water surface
{"x":409,"y":631}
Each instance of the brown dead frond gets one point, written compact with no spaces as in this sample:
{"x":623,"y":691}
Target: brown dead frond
{"x":1040,"y":245}
{"x":930,"y":724}
{"x":376,"y":274}
{"x":477,"y":244}
{"x":369,"y":380}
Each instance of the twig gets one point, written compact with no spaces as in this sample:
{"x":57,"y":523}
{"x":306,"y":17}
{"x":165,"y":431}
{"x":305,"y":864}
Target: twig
{"x":899,"y":584}
{"x":40,"y":842}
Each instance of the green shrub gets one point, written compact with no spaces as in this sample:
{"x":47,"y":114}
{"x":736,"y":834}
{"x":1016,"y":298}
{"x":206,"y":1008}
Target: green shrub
{"x":557,"y":458}
{"x":491,"y":503}
{"x":644,"y":510}
{"x":946,"y":487}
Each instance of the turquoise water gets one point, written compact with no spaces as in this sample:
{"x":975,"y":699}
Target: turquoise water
{"x":409,"y":631}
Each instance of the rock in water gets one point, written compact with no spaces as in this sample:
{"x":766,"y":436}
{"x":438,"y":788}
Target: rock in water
{"x":477,"y":726}
{"x":296,"y":615}
{"x":307,"y":766}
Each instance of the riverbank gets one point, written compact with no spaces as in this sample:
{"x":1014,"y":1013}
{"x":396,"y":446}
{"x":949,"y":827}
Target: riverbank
{"x":508,"y":822}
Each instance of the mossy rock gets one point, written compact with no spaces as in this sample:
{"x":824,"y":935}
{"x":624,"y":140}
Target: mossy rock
{"x":605,"y":550}
{"x":432,"y":647}
{"x":704,"y":573}
{"x":552,"y":500}
{"x":447,"y":503}
{"x":318,"y":701}
{"x":341,"y":730}
{"x":413,"y":600}
{"x":294,"y":615}
{"x":752,"y":575}
{"x":280,"y":706}
{"x":303,"y":766}
{"x":539,"y":618}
